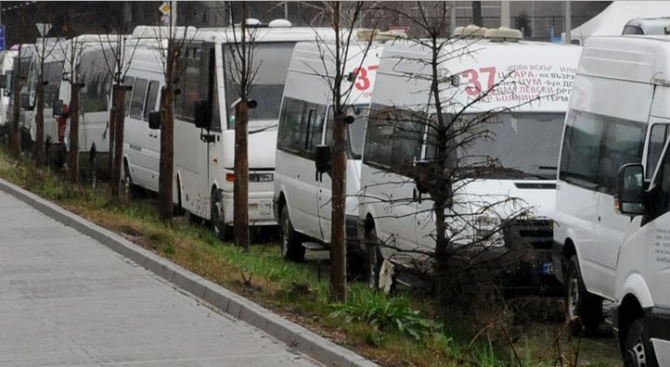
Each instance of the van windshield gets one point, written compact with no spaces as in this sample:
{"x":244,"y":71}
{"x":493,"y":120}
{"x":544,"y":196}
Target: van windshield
{"x":271,"y":61}
{"x":525,"y":141}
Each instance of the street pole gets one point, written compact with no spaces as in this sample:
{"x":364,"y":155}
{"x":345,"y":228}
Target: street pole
{"x":504,"y":14}
{"x":568,"y":22}
{"x":173,"y":13}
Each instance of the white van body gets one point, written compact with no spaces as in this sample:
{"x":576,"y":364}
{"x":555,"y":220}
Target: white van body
{"x":141,"y":145}
{"x":6,"y":68}
{"x":528,"y":140}
{"x":93,"y":55}
{"x":306,"y":121}
{"x":24,"y":68}
{"x":618,"y":115}
{"x":204,"y":158}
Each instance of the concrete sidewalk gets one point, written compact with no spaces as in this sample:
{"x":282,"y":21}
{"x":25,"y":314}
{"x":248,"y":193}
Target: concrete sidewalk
{"x":67,"y":300}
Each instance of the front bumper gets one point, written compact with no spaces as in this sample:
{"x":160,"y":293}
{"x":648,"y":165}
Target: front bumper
{"x":260,"y":209}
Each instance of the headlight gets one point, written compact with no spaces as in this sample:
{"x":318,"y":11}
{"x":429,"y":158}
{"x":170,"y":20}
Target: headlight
{"x":486,"y":227}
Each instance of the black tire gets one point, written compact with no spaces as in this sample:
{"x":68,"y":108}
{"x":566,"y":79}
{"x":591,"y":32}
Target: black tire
{"x":638,"y":348}
{"x":219,"y":228}
{"x":290,"y":240}
{"x":129,"y":188}
{"x":374,"y":258}
{"x":580,"y":303}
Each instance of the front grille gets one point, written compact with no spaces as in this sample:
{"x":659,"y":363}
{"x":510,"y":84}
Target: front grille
{"x":536,"y":233}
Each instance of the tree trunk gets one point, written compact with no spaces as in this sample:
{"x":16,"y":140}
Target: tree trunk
{"x":443,"y":286}
{"x":165,"y":205}
{"x":338,"y":278}
{"x":73,"y":150}
{"x":112,"y":133}
{"x":241,"y":184}
{"x":116,"y":138}
{"x":39,"y":121}
{"x":14,"y":143}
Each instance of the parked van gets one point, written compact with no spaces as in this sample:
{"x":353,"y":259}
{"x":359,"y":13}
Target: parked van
{"x":204,"y":149}
{"x":6,"y":66}
{"x":23,"y":68}
{"x":141,"y":144}
{"x":610,"y":244}
{"x":527,"y":139}
{"x":302,"y":195}
{"x":92,"y":54}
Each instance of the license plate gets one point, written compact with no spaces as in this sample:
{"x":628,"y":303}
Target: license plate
{"x":266,"y":207}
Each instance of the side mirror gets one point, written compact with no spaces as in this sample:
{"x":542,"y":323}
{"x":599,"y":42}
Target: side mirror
{"x":202,"y":114}
{"x":630,"y":193}
{"x":4,"y":81}
{"x":58,"y":110}
{"x":323,"y":158}
{"x":154,"y":120}
{"x":25,"y":101}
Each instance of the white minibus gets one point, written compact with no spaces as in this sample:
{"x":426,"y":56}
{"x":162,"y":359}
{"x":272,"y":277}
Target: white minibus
{"x":533,"y":100}
{"x":302,"y":195}
{"x":6,"y":67}
{"x":204,"y":149}
{"x":612,"y":241}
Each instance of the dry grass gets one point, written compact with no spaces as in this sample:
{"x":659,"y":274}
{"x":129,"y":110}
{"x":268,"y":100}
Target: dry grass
{"x":291,"y":290}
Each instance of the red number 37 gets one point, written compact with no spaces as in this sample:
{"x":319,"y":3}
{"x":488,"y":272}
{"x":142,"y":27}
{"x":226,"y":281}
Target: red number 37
{"x":474,"y":87}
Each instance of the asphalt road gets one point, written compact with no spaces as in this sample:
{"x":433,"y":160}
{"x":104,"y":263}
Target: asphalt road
{"x":67,"y":300}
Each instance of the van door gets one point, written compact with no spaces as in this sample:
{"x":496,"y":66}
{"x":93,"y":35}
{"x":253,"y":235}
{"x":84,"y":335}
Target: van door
{"x":324,"y":207}
{"x":623,"y":142}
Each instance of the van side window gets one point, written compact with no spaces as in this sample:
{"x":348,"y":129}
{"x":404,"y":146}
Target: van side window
{"x":137,"y":100}
{"x":95,"y":95}
{"x":190,"y":82}
{"x":152,"y":95}
{"x":657,"y":138}
{"x":128,"y":82}
{"x":596,"y":146}
{"x":581,"y":147}
{"x":662,"y":199}
{"x":300,"y":127}
{"x":394,"y":138}
{"x":623,"y":143}
{"x":53,"y":74}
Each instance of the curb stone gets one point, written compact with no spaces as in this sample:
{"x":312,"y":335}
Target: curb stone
{"x":293,"y":335}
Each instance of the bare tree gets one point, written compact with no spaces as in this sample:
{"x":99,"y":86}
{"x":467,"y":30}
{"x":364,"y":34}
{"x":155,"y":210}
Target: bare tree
{"x":118,"y":52}
{"x":73,"y":50}
{"x":19,"y":83}
{"x":343,"y":19}
{"x":468,"y":229}
{"x":43,"y":50}
{"x":243,"y":70}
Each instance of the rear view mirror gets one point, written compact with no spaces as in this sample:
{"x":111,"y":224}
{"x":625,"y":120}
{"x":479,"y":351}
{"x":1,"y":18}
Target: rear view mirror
{"x":323,"y":158}
{"x":4,"y":81}
{"x":25,"y":101}
{"x":630,"y":195}
{"x":58,"y":108}
{"x":202,"y":114}
{"x":154,"y":120}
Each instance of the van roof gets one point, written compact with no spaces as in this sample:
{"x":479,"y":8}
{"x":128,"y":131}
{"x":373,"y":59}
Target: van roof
{"x":643,"y":59}
{"x":227,"y":34}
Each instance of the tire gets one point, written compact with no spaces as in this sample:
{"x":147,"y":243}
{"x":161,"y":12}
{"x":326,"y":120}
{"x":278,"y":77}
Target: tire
{"x":638,"y":348}
{"x":580,"y":303}
{"x":374,"y":258}
{"x":290,"y":240}
{"x":219,"y":228}
{"x":129,"y":188}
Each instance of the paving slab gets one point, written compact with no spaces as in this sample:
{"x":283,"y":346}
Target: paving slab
{"x":68,"y":300}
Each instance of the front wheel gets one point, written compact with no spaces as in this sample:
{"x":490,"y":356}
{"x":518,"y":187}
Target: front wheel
{"x":580,"y":303}
{"x":374,"y":258}
{"x":220,"y":229}
{"x":638,"y":348}
{"x":129,"y":188}
{"x":291,"y":243}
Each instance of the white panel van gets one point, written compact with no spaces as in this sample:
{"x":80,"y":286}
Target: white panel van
{"x":527,"y":139}
{"x":612,"y":241}
{"x":302,"y":196}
